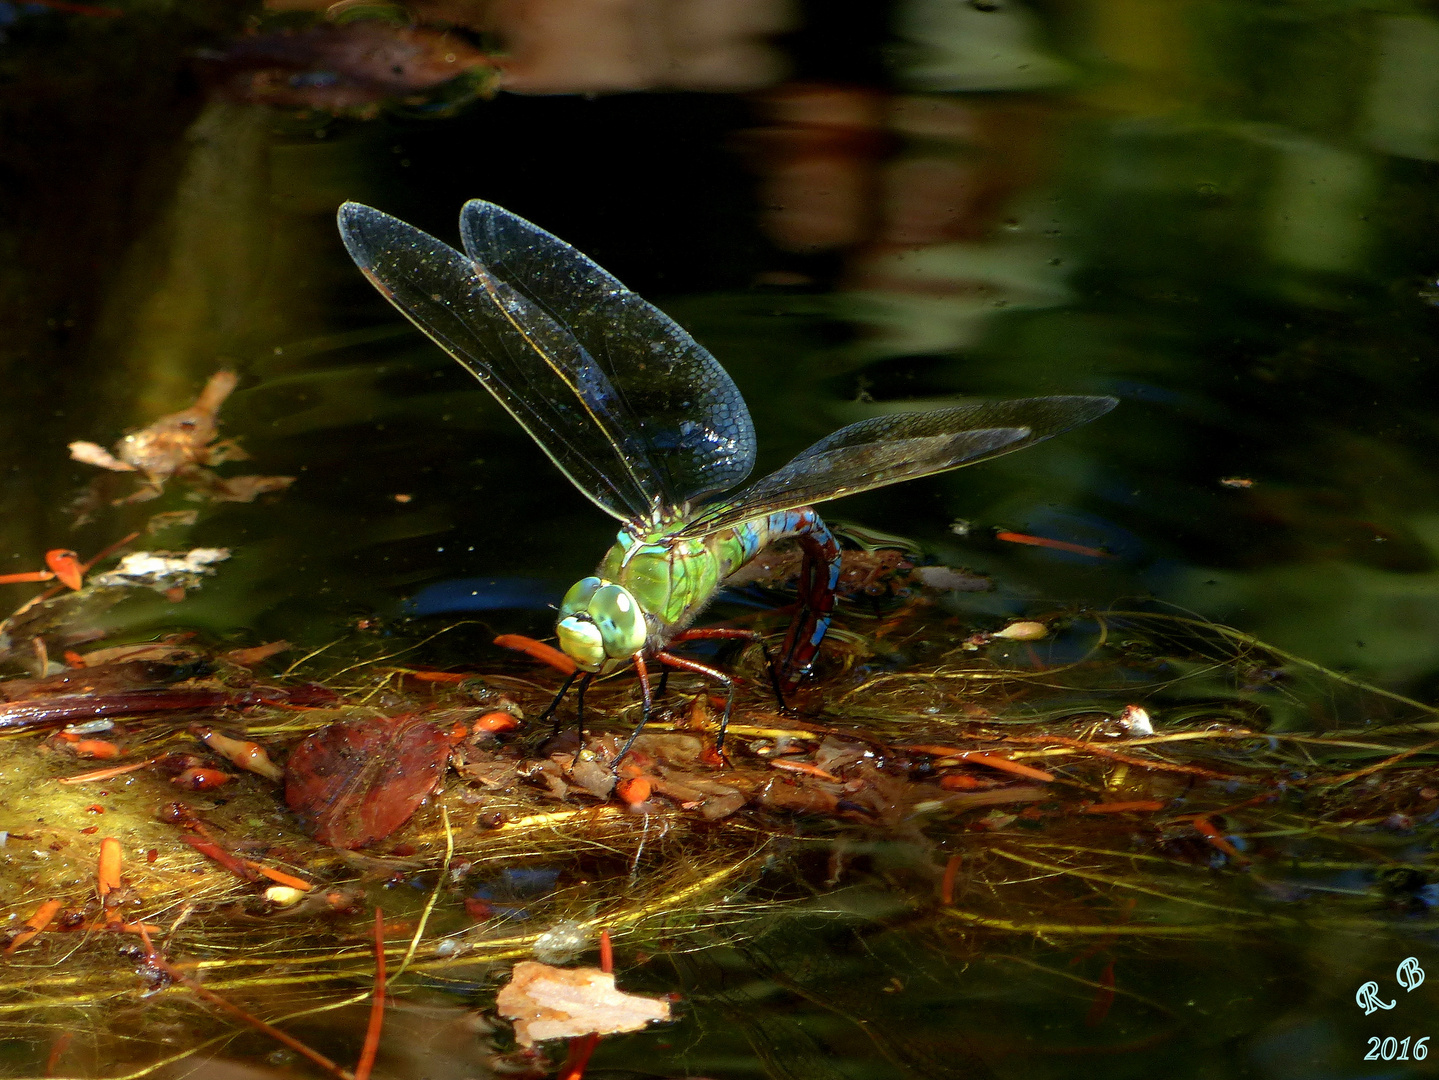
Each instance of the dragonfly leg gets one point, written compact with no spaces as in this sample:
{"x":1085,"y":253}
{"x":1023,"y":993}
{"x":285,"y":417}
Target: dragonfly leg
{"x":818,"y":577}
{"x":664,"y":682}
{"x":585,"y":681}
{"x":721,"y":633}
{"x":646,"y":704}
{"x":554,"y":705}
{"x":685,"y":664}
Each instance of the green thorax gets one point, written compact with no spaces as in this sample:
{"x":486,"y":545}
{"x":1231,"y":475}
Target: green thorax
{"x":673,"y":578}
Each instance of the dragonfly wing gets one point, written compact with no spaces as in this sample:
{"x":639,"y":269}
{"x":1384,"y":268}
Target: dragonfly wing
{"x":902,"y":446}
{"x":674,"y":395}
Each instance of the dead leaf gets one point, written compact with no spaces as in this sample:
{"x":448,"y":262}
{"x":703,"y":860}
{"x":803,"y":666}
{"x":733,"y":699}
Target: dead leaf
{"x":590,"y":775}
{"x":558,"y":1003}
{"x":357,"y":781}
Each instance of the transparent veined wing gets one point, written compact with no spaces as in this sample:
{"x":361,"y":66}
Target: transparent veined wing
{"x":628,"y":405}
{"x":901,"y":446}
{"x":684,"y":404}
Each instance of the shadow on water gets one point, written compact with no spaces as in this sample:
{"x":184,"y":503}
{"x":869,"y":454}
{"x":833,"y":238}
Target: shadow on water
{"x":1222,"y":213}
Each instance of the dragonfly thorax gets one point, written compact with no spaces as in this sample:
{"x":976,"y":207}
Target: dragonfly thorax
{"x":600,"y":622}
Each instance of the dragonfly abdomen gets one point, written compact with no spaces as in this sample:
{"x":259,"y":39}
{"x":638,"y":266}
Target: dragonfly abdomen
{"x":819,"y":575}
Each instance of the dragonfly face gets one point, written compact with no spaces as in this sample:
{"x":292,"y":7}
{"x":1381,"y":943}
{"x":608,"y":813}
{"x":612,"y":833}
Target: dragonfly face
{"x":600,"y":623}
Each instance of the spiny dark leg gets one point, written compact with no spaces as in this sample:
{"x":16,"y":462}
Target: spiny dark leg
{"x":554,"y":705}
{"x":818,"y":577}
{"x":685,"y":664}
{"x":585,"y":681}
{"x":728,"y":634}
{"x":646,"y":705}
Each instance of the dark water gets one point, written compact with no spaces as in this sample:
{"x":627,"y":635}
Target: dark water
{"x":1225,"y":214}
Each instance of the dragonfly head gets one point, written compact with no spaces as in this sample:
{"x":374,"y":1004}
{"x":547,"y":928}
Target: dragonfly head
{"x":599,"y":622}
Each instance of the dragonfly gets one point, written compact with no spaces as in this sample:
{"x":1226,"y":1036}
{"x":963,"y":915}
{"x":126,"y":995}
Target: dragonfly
{"x":649,"y":426}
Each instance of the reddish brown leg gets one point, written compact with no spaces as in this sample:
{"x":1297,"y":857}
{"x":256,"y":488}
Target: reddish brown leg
{"x":646,"y":705}
{"x":685,"y":664}
{"x":721,"y":633}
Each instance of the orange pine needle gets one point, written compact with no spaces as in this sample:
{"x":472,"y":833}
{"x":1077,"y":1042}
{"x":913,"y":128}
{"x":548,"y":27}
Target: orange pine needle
{"x":279,"y":876}
{"x":1206,"y":828}
{"x":581,"y":1048}
{"x":57,"y":1051}
{"x":1103,"y":1000}
{"x":607,"y":953}
{"x":636,"y":789}
{"x":107,"y":875}
{"x":802,"y":767}
{"x":946,"y":883}
{"x":1057,"y":545}
{"x":95,"y":748}
{"x":1121,"y":807}
{"x":496,"y":722}
{"x":448,"y":678}
{"x":377,"y":1004}
{"x":26,"y":576}
{"x":104,"y":774}
{"x":207,"y":847}
{"x":975,"y":757}
{"x":105,"y":553}
{"x":538,"y":650}
{"x":34,"y":924}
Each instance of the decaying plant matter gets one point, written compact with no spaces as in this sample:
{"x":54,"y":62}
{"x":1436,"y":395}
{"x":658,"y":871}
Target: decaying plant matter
{"x":1169,"y":781}
{"x":184,"y":446}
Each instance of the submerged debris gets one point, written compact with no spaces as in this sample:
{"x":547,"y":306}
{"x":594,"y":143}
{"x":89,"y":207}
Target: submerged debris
{"x":181,"y":446}
{"x":163,"y":571}
{"x":1006,"y":792}
{"x":559,"y":1003}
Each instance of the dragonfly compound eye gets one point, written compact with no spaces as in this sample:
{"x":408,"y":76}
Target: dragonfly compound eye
{"x":620,"y":620}
{"x":578,"y":598}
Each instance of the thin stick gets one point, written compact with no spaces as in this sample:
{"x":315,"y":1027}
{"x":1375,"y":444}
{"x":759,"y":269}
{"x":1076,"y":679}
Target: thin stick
{"x":946,"y":883}
{"x":607,"y":953}
{"x":377,"y":1004}
{"x":174,"y":973}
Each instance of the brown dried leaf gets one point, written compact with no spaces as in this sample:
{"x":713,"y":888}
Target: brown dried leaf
{"x":559,"y":1003}
{"x":590,"y":774}
{"x":356,"y":781}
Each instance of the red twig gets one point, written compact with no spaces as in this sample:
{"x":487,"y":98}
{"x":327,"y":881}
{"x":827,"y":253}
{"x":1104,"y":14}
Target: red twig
{"x":946,"y":883}
{"x":57,"y":1051}
{"x":176,"y":975}
{"x":377,"y":1004}
{"x":581,"y":1047}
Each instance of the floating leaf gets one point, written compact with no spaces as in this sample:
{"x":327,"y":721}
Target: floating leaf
{"x":558,"y":1003}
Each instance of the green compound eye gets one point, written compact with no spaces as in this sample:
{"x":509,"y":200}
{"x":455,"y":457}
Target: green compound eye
{"x":578,"y":598}
{"x":621,"y":622}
